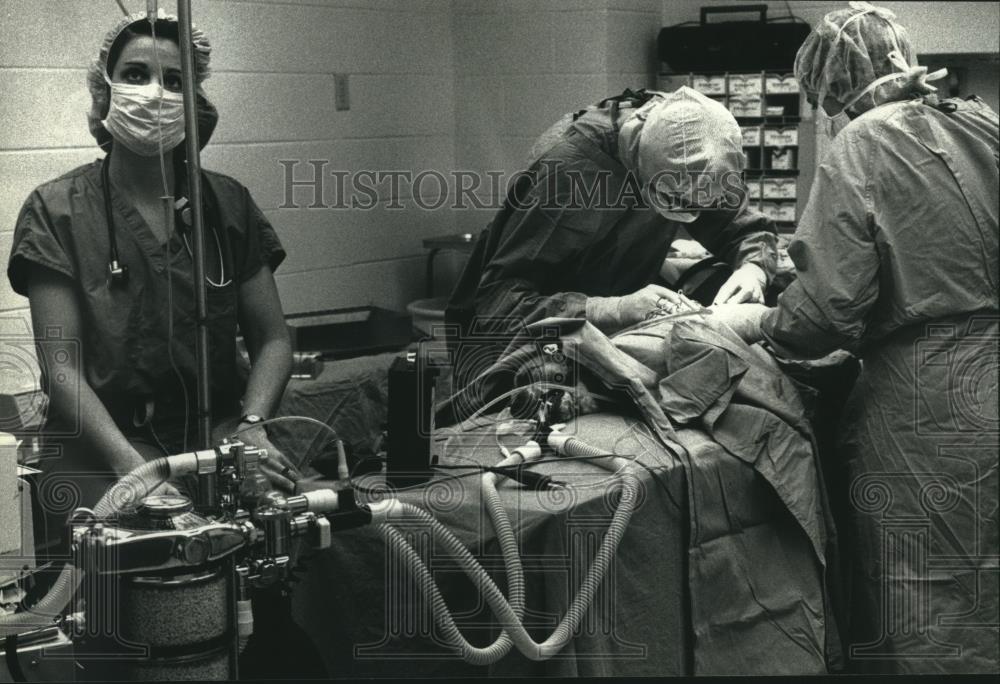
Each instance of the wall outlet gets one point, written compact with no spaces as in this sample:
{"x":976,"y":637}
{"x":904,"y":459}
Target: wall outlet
{"x":341,"y":92}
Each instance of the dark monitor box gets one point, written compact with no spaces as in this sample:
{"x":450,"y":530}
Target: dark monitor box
{"x":350,"y":332}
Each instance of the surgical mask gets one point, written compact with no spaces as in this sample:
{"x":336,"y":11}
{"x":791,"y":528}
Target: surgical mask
{"x":141,"y":115}
{"x":830,"y":126}
{"x":662,"y":206}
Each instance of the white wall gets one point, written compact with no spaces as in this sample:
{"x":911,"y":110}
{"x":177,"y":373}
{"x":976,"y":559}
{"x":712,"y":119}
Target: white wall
{"x":950,"y":27}
{"x":520,"y":65}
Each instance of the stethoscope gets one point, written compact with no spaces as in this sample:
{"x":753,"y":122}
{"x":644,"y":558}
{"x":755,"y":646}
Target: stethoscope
{"x":118,"y":272}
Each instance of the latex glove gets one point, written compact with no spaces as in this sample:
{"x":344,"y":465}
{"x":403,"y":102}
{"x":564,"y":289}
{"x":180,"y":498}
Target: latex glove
{"x":746,"y":284}
{"x":745,"y":319}
{"x":614,"y":313}
{"x":277,"y":467}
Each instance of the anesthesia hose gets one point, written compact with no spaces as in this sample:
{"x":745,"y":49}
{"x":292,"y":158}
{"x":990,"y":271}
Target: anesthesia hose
{"x":508,"y":617}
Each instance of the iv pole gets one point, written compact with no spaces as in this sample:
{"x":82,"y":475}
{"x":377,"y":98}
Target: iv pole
{"x":193,"y":150}
{"x":197,"y":220}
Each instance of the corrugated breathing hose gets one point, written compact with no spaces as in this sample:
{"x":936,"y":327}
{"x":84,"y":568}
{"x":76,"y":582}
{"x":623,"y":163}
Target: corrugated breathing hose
{"x":507,"y":614}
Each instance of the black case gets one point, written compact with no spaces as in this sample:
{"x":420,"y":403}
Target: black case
{"x":411,"y":399}
{"x":756,"y":46}
{"x":349,"y":333}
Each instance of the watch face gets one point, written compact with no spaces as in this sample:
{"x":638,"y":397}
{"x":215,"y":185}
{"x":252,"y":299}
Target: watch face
{"x":252,"y":418}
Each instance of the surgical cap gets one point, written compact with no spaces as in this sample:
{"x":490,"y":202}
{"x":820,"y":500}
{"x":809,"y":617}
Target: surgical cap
{"x":687,"y":145}
{"x":850,"y":48}
{"x":100,"y":93}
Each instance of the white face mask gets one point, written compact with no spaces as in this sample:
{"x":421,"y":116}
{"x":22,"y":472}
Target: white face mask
{"x":140,"y":114}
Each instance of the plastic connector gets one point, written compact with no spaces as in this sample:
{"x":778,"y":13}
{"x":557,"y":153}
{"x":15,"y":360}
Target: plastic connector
{"x":558,"y":440}
{"x":343,"y":472}
{"x":323,"y":533}
{"x":322,"y":501}
{"x":382,"y":510}
{"x":193,"y":463}
{"x":244,"y":618}
{"x":348,"y":520}
{"x":531,"y":451}
{"x":536,"y":481}
{"x":244,"y":623}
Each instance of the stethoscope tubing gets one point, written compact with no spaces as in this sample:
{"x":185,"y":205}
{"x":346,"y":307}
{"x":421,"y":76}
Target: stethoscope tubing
{"x":113,"y":255}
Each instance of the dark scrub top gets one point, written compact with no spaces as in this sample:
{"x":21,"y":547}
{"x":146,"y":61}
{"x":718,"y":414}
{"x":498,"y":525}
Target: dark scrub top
{"x":574,"y":226}
{"x":898,"y":260}
{"x":546,"y":251}
{"x":124,"y":351}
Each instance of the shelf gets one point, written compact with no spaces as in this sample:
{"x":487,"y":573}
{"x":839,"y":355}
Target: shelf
{"x":771,"y":173}
{"x":768,"y":120}
{"x":730,"y":86}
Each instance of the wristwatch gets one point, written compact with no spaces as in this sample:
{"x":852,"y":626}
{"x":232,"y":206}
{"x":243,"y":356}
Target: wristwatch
{"x":251,"y":419}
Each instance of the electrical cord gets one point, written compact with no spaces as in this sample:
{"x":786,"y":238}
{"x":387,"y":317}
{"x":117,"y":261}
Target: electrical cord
{"x":520,"y":472}
{"x":475,"y":469}
{"x":534,"y":480}
{"x":394,"y":490}
{"x":559,"y":459}
{"x":278,"y":419}
{"x":341,"y":456}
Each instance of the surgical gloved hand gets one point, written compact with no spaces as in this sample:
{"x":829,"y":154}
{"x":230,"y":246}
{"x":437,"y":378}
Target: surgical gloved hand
{"x":614,"y":313}
{"x":277,"y":467}
{"x":746,"y":284}
{"x":744,"y":319}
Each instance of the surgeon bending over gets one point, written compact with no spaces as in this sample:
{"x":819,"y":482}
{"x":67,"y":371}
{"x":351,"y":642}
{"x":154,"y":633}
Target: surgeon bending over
{"x":655,"y":164}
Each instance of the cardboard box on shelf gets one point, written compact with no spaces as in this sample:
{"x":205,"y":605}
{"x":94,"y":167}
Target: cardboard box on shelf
{"x":709,"y":84}
{"x":783,"y":158}
{"x":745,"y":84}
{"x":751,"y":136}
{"x":779,"y":211}
{"x":780,"y":84}
{"x":778,"y":188}
{"x":781,"y":136}
{"x":750,"y":105}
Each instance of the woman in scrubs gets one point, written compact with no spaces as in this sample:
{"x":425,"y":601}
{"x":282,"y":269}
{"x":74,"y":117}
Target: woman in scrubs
{"x":112,"y":293}
{"x":897,"y":260}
